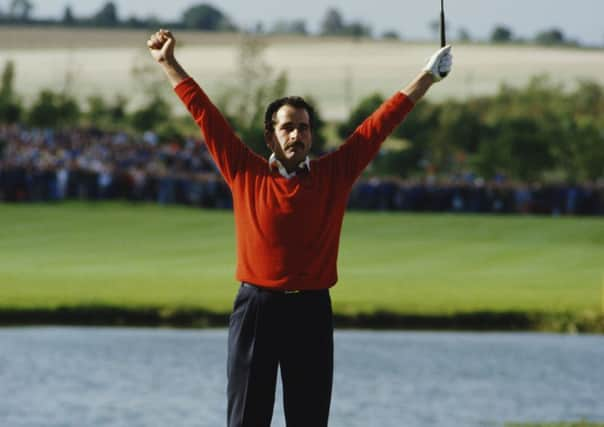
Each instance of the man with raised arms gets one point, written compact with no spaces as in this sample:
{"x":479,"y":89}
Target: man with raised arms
{"x":288,"y":216}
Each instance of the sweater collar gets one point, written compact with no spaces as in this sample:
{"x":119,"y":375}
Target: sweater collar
{"x":274,"y":162}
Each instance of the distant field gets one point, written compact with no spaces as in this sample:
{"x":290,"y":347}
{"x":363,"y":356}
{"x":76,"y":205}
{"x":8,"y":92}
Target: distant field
{"x":136,"y":256}
{"x":336,"y":72}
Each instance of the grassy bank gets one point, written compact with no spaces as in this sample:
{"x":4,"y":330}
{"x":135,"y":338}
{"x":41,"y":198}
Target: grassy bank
{"x":191,"y":317}
{"x":156,"y":265}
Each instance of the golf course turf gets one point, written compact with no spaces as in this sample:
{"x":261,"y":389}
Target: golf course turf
{"x":120,"y":263}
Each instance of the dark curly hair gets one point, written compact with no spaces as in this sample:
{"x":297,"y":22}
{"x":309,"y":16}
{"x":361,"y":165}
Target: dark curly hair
{"x":296,"y":102}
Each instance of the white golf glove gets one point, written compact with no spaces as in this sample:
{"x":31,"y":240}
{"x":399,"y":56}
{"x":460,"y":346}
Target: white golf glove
{"x":439,"y":65}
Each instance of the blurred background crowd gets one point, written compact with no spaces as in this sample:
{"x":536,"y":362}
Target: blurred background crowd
{"x":90,"y":164}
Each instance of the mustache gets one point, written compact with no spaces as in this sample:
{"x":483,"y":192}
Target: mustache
{"x":294,"y":144}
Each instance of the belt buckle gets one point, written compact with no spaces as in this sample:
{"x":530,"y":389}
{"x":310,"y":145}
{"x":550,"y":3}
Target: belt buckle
{"x":291,"y":292}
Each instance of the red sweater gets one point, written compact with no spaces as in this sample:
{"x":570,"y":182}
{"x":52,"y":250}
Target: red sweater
{"x":288,"y":230}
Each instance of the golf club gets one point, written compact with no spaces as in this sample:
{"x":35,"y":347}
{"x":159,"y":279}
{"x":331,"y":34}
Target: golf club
{"x":443,"y":36}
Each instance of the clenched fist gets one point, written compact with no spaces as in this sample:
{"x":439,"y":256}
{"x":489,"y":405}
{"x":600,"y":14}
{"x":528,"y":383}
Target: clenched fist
{"x":161,"y":45}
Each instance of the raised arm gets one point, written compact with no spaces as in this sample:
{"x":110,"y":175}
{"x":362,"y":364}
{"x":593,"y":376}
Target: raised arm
{"x":365,"y":142}
{"x":161,"y":46}
{"x":227,"y":150}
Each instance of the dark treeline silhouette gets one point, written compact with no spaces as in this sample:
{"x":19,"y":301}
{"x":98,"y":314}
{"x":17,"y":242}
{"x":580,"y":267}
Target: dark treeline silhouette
{"x":201,"y":16}
{"x":549,"y":37}
{"x":209,"y":17}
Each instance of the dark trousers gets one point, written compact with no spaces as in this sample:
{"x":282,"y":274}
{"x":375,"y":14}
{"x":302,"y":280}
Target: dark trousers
{"x":294,"y":332}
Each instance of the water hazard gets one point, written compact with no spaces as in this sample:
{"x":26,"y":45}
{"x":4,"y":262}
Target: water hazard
{"x":131,"y":377}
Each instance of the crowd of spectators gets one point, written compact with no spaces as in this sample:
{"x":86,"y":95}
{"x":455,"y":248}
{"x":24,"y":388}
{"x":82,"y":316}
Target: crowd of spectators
{"x":89,"y":164}
{"x":474,"y":195}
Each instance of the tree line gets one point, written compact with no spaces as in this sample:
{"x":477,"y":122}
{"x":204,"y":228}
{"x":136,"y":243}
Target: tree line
{"x":540,"y":132}
{"x":202,"y":16}
{"x":207,"y":17}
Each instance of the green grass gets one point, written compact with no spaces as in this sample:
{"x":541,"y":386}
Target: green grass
{"x":146,"y":255}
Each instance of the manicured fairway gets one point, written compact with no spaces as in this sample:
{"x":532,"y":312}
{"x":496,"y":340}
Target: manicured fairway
{"x":174,"y":257}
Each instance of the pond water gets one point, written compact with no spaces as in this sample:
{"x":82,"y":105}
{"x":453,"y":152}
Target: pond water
{"x":93,"y":377}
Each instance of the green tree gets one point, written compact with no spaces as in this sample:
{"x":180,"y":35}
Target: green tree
{"x":117,"y":111}
{"x":7,"y":90}
{"x":54,"y":110}
{"x":421,"y":122}
{"x":357,"y":29}
{"x":107,"y":16}
{"x":10,"y":105}
{"x":68,"y":18}
{"x":526,"y":151}
{"x":551,"y":37}
{"x":20,"y":10}
{"x":400,"y":162}
{"x":587,"y":99}
{"x":318,"y":138}
{"x":97,"y":113}
{"x":460,"y":125}
{"x":365,"y":107}
{"x":100,"y":113}
{"x":10,"y":111}
{"x":152,"y":115}
{"x":578,"y":148}
{"x":501,"y":34}
{"x":418,"y":129}
{"x":333,"y":23}
{"x":459,"y":129}
{"x":589,"y":149}
{"x":206,"y":17}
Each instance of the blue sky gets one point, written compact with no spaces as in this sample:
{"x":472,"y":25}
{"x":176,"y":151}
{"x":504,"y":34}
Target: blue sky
{"x":579,"y":19}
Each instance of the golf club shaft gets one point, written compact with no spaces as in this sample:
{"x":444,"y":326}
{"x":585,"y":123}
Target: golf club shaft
{"x":443,"y":37}
{"x":443,"y":32}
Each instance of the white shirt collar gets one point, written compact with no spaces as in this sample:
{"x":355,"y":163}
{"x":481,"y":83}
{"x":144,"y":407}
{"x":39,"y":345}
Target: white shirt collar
{"x":274,"y":161}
